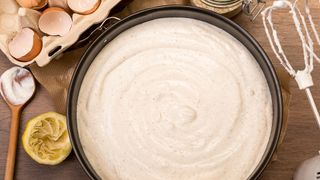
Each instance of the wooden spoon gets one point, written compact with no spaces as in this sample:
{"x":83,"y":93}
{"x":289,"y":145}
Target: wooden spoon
{"x":12,"y":146}
{"x":16,"y":98}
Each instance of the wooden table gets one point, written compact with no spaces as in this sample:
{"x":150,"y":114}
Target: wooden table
{"x":302,"y":140}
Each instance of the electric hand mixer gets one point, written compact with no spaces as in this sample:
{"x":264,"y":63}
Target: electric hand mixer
{"x":309,"y":169}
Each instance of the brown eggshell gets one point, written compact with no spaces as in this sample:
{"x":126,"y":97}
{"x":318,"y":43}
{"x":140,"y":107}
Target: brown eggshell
{"x":35,"y":49}
{"x":73,"y":7}
{"x":32,"y":4}
{"x":61,"y":4}
{"x":55,"y":21}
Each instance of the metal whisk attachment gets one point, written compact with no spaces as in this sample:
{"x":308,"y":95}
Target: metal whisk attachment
{"x":302,"y":77}
{"x":310,"y":168}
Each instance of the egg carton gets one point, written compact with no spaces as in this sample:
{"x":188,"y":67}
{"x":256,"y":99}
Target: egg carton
{"x":13,"y":18}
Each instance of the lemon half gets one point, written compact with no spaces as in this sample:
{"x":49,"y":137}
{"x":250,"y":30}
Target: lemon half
{"x":46,"y":138}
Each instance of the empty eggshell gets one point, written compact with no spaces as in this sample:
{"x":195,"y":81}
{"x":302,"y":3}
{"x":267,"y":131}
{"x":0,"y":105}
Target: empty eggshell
{"x":59,"y":3}
{"x":32,"y":4}
{"x":26,"y":45}
{"x":83,"y":6}
{"x":55,"y":21}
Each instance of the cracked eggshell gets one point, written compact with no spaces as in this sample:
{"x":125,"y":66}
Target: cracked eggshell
{"x":83,"y":6}
{"x":29,"y":18}
{"x":55,"y":21}
{"x":26,"y":45}
{"x":32,"y":4}
{"x":61,"y":4}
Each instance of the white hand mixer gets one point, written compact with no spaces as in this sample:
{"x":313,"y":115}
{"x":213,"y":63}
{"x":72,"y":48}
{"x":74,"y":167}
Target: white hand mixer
{"x":309,"y":169}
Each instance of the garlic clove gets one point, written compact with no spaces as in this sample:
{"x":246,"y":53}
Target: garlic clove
{"x":32,"y":4}
{"x":55,"y":21}
{"x":26,"y":45}
{"x":83,"y":6}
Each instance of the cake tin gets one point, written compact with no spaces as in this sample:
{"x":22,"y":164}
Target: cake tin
{"x":166,"y":12}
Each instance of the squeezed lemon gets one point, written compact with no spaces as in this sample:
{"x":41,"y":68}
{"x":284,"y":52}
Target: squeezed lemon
{"x":46,"y":138}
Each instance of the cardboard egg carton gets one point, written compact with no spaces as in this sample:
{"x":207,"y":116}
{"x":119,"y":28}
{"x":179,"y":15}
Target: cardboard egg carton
{"x":13,"y":18}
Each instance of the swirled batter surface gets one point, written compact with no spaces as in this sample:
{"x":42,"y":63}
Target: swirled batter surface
{"x":172,"y":99}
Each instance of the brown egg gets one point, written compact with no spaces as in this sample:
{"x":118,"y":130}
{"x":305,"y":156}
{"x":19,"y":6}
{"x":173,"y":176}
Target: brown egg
{"x":26,"y":45}
{"x":32,"y":4}
{"x":83,"y":6}
{"x":55,"y":21}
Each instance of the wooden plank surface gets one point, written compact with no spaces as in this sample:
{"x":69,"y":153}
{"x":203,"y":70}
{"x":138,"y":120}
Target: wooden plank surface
{"x":302,"y":138}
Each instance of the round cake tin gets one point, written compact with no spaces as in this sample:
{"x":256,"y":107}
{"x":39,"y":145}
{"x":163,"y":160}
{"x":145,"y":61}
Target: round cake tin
{"x":165,"y":12}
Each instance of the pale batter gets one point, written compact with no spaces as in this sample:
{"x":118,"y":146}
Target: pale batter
{"x":174,"y":99}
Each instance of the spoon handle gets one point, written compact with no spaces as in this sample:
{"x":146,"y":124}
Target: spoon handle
{"x":12,"y":146}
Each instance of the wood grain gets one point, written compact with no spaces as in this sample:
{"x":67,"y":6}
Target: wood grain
{"x":13,"y":139}
{"x":302,"y":140}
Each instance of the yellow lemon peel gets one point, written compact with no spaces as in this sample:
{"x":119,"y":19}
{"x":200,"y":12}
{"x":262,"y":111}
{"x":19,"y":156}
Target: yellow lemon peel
{"x":46,"y":138}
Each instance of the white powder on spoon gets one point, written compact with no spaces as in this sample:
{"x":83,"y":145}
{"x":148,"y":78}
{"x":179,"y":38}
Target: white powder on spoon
{"x":17,"y":85}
